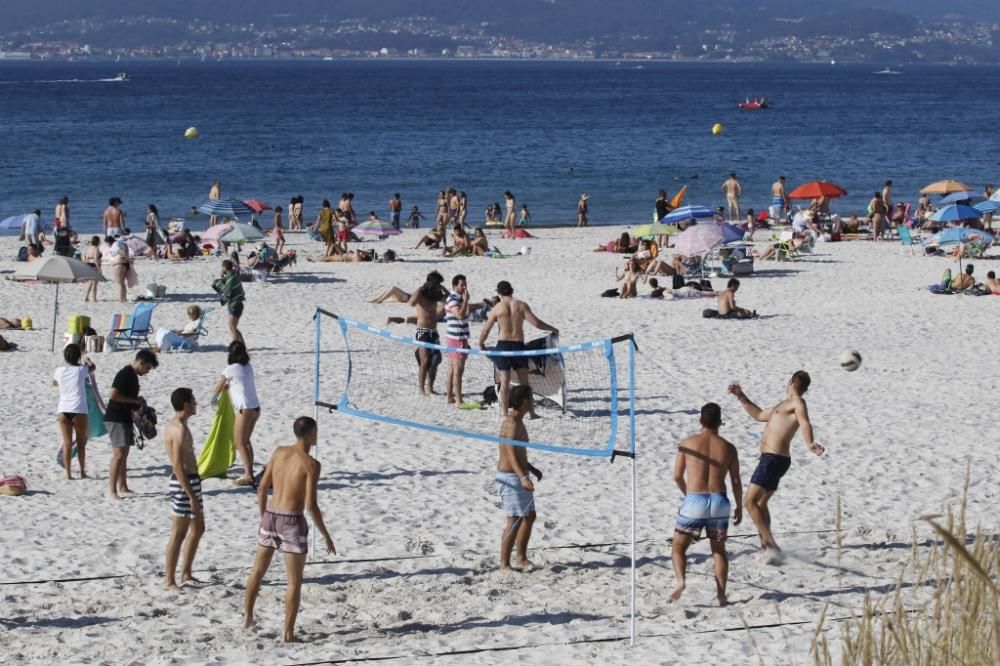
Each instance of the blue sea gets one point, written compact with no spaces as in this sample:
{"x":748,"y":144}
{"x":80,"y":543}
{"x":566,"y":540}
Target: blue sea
{"x":546,"y":131}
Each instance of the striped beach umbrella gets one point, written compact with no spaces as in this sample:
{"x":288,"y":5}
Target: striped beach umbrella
{"x":688,"y":213}
{"x":225,"y":208}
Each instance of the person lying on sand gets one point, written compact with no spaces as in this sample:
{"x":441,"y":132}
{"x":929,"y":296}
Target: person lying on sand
{"x":6,"y":346}
{"x":9,"y":323}
{"x":349,"y":257}
{"x":431,"y":240}
{"x":392,"y":294}
{"x":623,"y":244}
{"x":700,"y":470}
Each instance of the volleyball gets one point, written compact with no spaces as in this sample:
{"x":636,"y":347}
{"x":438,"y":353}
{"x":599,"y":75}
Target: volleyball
{"x":850,"y":360}
{"x":191,"y":133}
{"x":717,"y":129}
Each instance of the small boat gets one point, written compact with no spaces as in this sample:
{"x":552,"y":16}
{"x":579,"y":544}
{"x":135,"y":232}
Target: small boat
{"x":755,"y":104}
{"x":887,"y":71}
{"x":120,"y":76}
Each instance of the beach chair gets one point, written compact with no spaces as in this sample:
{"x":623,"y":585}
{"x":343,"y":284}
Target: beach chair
{"x":132,"y":330}
{"x":191,"y":341}
{"x":907,"y":241}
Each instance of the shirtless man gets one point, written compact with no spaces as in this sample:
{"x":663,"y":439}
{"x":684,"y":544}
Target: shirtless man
{"x":292,"y":474}
{"x":113,"y":221}
{"x":779,"y":201}
{"x":733,"y":190}
{"x":783,"y":421}
{"x":427,"y":302}
{"x":992,"y":283}
{"x":185,"y":488}
{"x":727,"y":302}
{"x":514,"y":486}
{"x":511,"y":314}
{"x":703,"y":460}
{"x":964,"y":280}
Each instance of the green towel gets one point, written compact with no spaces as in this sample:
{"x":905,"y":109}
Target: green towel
{"x":95,"y":417}
{"x":218,"y":453}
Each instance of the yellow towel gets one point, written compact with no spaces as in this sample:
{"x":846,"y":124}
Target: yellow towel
{"x":218,"y":454}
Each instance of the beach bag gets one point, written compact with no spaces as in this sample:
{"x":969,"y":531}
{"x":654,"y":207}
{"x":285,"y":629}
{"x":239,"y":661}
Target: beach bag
{"x":144,"y":420}
{"x":610,"y":293}
{"x":709,"y":313}
{"x":15,"y":486}
{"x":93,"y":344}
{"x":22,"y":253}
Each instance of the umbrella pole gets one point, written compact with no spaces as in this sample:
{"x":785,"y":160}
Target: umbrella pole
{"x":55,"y":316}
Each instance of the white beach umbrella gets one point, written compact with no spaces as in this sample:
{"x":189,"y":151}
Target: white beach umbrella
{"x":58,"y":270}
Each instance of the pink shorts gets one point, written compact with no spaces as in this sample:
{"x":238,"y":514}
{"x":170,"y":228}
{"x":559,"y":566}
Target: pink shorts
{"x":286,"y":531}
{"x":462,"y":343}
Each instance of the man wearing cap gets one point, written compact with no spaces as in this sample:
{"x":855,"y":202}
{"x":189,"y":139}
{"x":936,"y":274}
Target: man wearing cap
{"x":511,"y":313}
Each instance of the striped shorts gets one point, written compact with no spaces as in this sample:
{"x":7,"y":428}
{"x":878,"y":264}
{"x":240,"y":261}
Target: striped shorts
{"x":179,"y":499}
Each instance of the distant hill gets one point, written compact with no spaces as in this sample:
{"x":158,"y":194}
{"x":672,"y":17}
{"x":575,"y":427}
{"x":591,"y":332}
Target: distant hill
{"x":551,"y":20}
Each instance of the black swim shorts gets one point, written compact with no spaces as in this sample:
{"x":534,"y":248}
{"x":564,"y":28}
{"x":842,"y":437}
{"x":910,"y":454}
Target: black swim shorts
{"x":769,"y":470}
{"x":510,"y":362}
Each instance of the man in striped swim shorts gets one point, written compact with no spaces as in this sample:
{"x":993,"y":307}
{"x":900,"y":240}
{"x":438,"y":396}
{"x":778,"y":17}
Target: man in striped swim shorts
{"x":703,"y":460}
{"x":185,"y":489}
{"x":292,"y":475}
{"x":457,"y":319}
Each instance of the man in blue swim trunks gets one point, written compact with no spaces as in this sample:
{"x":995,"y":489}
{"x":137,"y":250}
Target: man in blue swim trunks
{"x":517,"y":492}
{"x":783,"y":421}
{"x":511,"y":313}
{"x":703,"y":460}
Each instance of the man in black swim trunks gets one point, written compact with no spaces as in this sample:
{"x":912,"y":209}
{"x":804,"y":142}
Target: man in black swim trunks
{"x":783,"y":421}
{"x":511,"y":314}
{"x":428,"y":303}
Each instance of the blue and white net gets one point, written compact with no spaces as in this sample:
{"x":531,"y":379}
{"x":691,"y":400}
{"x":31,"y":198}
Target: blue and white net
{"x":583,"y":392}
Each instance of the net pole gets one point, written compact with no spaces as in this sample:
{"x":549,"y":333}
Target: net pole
{"x":631,"y":418}
{"x":319,"y":325}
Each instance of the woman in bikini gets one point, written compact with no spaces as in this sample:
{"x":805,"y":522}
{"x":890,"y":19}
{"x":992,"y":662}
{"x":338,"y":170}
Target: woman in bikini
{"x":630,"y":276}
{"x":71,"y":413}
{"x":480,"y":245}
{"x":278,"y":232}
{"x":91,"y":256}
{"x":238,"y":377}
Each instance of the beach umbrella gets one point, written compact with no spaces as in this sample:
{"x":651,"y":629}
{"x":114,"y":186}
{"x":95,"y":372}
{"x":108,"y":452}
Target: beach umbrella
{"x":957,"y":235}
{"x":13,"y":224}
{"x":946,"y":187}
{"x":377,"y":228}
{"x":957,"y":197}
{"x":996,"y":196}
{"x":240,"y":233}
{"x":225,"y":208}
{"x":816,"y":189}
{"x":955,"y":213}
{"x":731,"y":233}
{"x":657,"y":229}
{"x":699,"y":239}
{"x":57,"y":269}
{"x":136,"y":245}
{"x":687,"y":213}
{"x":257,"y":206}
{"x":988,"y":206}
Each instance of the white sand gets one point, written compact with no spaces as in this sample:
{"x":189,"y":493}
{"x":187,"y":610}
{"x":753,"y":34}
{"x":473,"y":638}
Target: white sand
{"x":413,"y":513}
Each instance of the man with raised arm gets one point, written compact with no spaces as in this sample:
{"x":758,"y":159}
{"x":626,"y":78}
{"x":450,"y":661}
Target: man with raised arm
{"x":517,"y":492}
{"x":511,"y":313}
{"x":783,"y":421}
{"x":292,"y":474}
{"x":703,"y":460}
{"x":427,"y":301}
{"x":185,"y":489}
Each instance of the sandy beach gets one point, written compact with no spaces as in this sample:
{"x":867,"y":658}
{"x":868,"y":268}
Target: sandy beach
{"x":415,"y":516}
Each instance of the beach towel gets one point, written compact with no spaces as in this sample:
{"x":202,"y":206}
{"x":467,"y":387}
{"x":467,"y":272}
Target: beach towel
{"x":14,"y":486}
{"x":938,"y":289}
{"x":218,"y":454}
{"x":95,"y":418}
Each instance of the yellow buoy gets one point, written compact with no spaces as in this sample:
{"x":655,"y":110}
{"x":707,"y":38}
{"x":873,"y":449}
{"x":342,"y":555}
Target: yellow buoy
{"x":717,"y":129}
{"x":191,"y":133}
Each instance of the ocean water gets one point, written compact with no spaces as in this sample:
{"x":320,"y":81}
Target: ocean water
{"x":546,"y":131}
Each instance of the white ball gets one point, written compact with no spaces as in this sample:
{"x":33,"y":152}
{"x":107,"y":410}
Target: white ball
{"x":850,"y":360}
{"x":525,"y":251}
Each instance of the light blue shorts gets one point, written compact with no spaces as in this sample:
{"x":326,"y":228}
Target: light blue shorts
{"x":516,"y":500}
{"x":708,"y":511}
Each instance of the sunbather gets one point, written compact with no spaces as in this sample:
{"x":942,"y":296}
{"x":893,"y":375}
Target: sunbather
{"x":9,"y":323}
{"x":460,"y":243}
{"x":992,"y":283}
{"x":350,"y":257}
{"x":167,"y":339}
{"x":431,"y":240}
{"x":622,"y":244}
{"x":480,"y":245}
{"x":392,"y":293}
{"x":630,"y":276}
{"x":796,"y":243}
{"x":964,"y":280}
{"x":660,"y":267}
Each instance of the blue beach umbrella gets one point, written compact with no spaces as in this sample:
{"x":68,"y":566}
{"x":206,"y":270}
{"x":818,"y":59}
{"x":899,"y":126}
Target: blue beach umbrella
{"x":988,"y":206}
{"x":955,"y":213}
{"x":957,"y":235}
{"x":225,"y":208}
{"x":956,"y":197}
{"x":731,"y":233}
{"x":688,"y":213}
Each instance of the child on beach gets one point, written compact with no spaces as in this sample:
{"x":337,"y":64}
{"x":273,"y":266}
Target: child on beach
{"x":514,"y":486}
{"x":525,"y":216}
{"x":188,"y":523}
{"x":71,"y":413}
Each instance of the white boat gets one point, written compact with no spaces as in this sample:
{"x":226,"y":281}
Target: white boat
{"x":887,"y":71}
{"x":120,"y":76}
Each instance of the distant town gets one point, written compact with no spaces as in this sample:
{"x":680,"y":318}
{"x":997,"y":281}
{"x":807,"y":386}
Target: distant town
{"x":421,"y":37}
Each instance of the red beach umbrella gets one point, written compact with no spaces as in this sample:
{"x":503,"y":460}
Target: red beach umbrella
{"x":257,"y":206}
{"x":817,"y":189}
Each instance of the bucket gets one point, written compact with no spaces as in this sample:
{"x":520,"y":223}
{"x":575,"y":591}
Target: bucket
{"x":93,"y":344}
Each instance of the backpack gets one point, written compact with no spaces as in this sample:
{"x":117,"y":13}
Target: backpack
{"x":144,"y":420}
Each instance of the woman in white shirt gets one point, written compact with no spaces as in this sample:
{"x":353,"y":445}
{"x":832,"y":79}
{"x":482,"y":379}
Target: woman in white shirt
{"x":238,"y":378}
{"x":72,"y":410}
{"x":120,"y":258}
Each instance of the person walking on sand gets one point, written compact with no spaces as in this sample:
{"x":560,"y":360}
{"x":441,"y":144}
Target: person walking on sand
{"x":232,"y":295}
{"x":581,"y":210}
{"x":700,"y":470}
{"x":91,"y":256}
{"x":188,"y":523}
{"x":517,"y":492}
{"x":426,"y":300}
{"x":114,"y":220}
{"x":120,"y":259}
{"x":72,"y":412}
{"x":783,"y":421}
{"x":779,"y":200}
{"x":122,"y":402}
{"x":277,"y":231}
{"x":511,"y":313}
{"x":887,"y":194}
{"x":733,"y":190}
{"x":238,"y":377}
{"x":457,"y":319}
{"x":509,"y":203}
{"x":214,"y":194}
{"x":290,"y":477}
{"x":395,"y":209}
